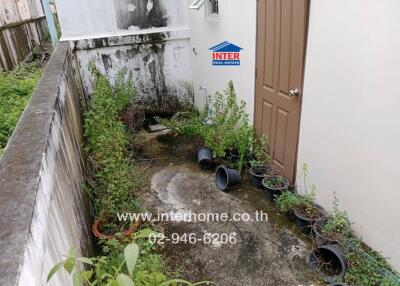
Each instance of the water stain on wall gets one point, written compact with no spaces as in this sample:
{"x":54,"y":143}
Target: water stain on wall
{"x":107,"y":62}
{"x":139,"y":14}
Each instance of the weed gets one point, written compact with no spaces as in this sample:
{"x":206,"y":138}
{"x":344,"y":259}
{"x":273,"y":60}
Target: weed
{"x":15,"y":91}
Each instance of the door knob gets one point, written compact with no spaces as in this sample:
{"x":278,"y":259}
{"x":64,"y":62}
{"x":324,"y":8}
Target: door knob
{"x":294,"y":92}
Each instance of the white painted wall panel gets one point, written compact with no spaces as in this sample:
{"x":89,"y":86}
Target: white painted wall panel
{"x":350,"y":126}
{"x":236,"y":24}
{"x":99,"y":18}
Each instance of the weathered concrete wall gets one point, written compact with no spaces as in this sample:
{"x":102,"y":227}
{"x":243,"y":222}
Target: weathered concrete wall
{"x":99,"y":18}
{"x":160,"y":63}
{"x":44,"y":211}
{"x":149,"y":37}
{"x":17,"y":41}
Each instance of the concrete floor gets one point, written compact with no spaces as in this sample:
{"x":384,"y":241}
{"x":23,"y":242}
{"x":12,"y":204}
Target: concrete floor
{"x":270,"y":252}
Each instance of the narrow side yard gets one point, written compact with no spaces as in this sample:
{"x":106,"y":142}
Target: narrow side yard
{"x":245,"y":252}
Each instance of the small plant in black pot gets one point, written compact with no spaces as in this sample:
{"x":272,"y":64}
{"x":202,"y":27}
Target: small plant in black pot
{"x":329,"y":262}
{"x":258,"y":171}
{"x":303,"y":208}
{"x":335,"y":229}
{"x":307,"y":213}
{"x":274,"y":186}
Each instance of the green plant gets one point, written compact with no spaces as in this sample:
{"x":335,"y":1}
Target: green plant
{"x":15,"y":91}
{"x":186,"y":123}
{"x":113,"y":174}
{"x":275,"y":182}
{"x":290,"y":201}
{"x":367,"y":267}
{"x":224,"y":127}
{"x":337,"y":226}
{"x":124,"y":265}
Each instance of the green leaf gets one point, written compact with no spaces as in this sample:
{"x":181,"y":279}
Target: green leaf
{"x":69,"y":265}
{"x":54,"y":270}
{"x":131,"y":253}
{"x":85,"y":260}
{"x":145,"y":233}
{"x":87,"y":274}
{"x":124,"y":280}
{"x":77,"y":278}
{"x":72,"y":253}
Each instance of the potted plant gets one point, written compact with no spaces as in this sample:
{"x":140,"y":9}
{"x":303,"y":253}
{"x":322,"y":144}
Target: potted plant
{"x":303,"y":208}
{"x":258,"y":171}
{"x":108,"y":226}
{"x":329,"y":262}
{"x":274,"y":186}
{"x":307,"y":213}
{"x":335,"y":229}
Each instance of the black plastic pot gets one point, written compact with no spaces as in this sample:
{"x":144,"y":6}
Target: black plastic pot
{"x":204,"y":157}
{"x":329,"y":262}
{"x":272,"y":193}
{"x":317,"y":235}
{"x":258,"y":173}
{"x":306,"y":224}
{"x":226,"y":178}
{"x":338,"y":284}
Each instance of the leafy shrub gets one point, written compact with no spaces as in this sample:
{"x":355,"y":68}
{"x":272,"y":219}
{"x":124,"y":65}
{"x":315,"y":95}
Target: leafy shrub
{"x":126,"y":263}
{"x":15,"y":91}
{"x":224,"y":127}
{"x":337,"y":226}
{"x":367,"y":267}
{"x":113,"y":175}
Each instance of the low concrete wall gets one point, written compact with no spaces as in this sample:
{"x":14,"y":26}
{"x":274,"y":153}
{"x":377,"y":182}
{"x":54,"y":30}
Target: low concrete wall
{"x":17,"y":41}
{"x":44,"y":210}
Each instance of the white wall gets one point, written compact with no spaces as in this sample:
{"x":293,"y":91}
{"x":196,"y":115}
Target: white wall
{"x":350,"y":125}
{"x":237,"y":24}
{"x":99,"y":18}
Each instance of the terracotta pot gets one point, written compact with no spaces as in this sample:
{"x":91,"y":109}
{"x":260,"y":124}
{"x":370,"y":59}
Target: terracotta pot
{"x":96,"y":229}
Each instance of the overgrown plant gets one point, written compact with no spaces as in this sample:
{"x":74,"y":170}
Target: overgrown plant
{"x":15,"y":91}
{"x":126,"y":264}
{"x":367,"y":267}
{"x":224,"y":127}
{"x":336,"y":227}
{"x":113,"y":174}
{"x":290,"y":201}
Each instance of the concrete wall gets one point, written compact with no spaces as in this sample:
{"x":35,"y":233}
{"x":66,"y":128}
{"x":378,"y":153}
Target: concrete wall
{"x":160,"y":63}
{"x":350,"y":120}
{"x":236,"y":23}
{"x":98,"y":18}
{"x":148,"y":37}
{"x":44,"y":211}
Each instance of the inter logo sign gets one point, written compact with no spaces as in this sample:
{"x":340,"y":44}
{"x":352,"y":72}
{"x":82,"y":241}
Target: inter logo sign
{"x":225,"y":54}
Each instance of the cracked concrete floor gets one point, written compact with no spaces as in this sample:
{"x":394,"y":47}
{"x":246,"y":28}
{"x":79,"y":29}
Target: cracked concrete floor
{"x":266,"y":253}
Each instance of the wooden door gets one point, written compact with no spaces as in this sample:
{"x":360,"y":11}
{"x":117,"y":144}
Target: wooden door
{"x":281,"y":41}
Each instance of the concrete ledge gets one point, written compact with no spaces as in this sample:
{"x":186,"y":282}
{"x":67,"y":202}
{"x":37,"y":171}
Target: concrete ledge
{"x":143,"y":37}
{"x":30,"y":176}
{"x":20,"y":168}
